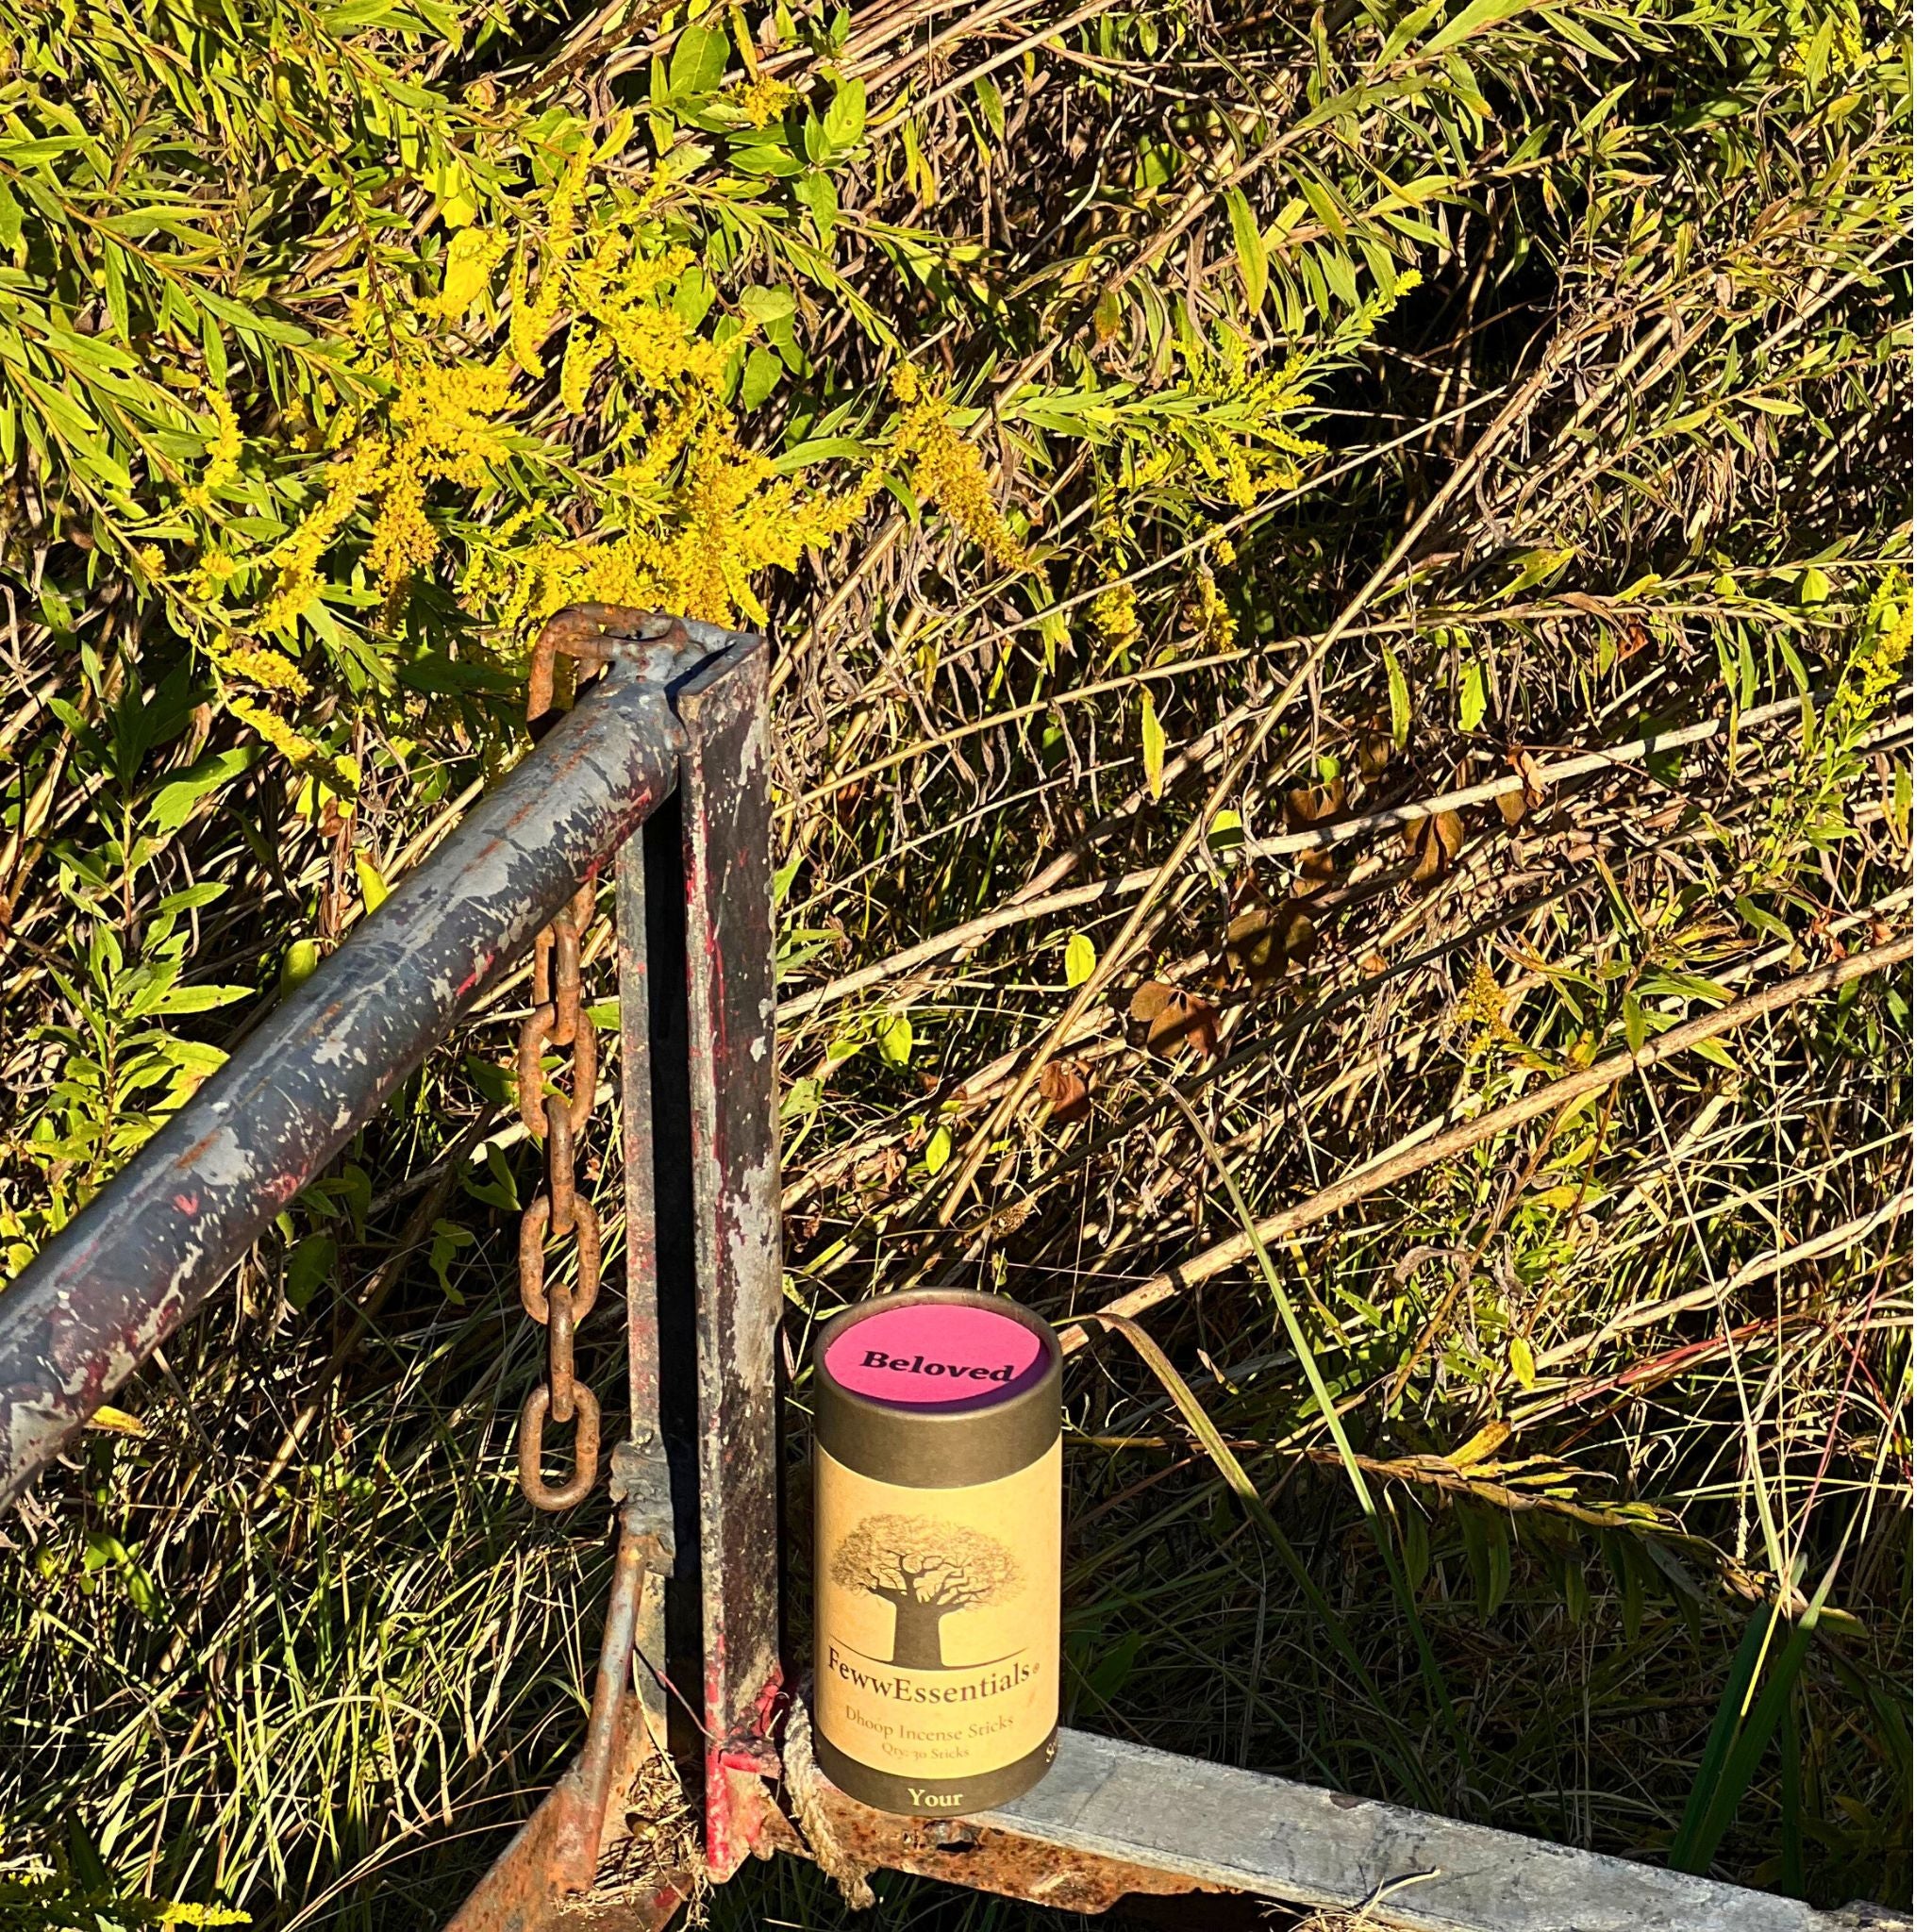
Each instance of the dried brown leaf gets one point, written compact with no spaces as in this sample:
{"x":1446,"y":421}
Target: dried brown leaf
{"x":1433,"y":844}
{"x":1516,"y":807}
{"x":1309,"y":807}
{"x":1063,"y":1085}
{"x":1264,"y":939}
{"x":1167,"y":1021}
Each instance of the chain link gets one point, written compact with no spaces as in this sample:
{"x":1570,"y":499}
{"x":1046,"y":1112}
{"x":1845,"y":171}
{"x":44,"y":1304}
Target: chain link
{"x":555,"y":1121}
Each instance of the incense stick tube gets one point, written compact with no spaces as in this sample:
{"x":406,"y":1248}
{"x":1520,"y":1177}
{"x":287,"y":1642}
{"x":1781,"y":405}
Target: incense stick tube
{"x":937,"y":1470}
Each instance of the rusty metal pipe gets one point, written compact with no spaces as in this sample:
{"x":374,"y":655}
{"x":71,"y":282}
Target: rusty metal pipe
{"x":145,"y":1252}
{"x":581,"y":1830}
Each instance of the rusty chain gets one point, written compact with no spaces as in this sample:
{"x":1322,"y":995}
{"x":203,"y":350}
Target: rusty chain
{"x":555,"y":1121}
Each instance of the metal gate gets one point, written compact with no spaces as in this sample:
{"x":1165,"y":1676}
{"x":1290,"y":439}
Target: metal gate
{"x":662,"y":765}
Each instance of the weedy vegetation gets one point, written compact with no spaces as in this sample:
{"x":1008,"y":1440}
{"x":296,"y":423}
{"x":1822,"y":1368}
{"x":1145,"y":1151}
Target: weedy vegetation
{"x":1330,"y":566}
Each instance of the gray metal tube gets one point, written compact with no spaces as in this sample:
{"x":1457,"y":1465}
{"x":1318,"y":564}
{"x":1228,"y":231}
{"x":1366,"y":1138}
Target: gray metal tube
{"x":150,"y":1246}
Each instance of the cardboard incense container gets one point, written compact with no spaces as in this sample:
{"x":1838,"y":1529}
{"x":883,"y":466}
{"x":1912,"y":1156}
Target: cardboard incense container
{"x":937,"y":1466}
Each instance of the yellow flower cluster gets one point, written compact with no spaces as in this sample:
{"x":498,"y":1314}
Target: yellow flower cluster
{"x":224,"y":454}
{"x":947,"y":470}
{"x":443,"y":424}
{"x":237,"y":657}
{"x":297,"y":583}
{"x":687,"y":523}
{"x":622,"y":296}
{"x":404,"y":540}
{"x":1879,"y":668}
{"x":211,"y":570}
{"x":531,"y":321}
{"x":182,"y":1912}
{"x":444,"y":428}
{"x":1481,"y":1005}
{"x":761,"y":99}
{"x":1238,"y":435}
{"x":694,"y":550}
{"x":1116,"y":617}
{"x":661,"y":349}
{"x":274,"y":730}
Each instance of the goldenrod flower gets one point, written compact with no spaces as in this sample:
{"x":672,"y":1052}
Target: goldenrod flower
{"x":531,"y":322}
{"x":274,"y":730}
{"x":402,"y":540}
{"x":211,"y":570}
{"x":1481,"y":1005}
{"x":224,"y":454}
{"x":1116,"y":616}
{"x":236,"y":658}
{"x":350,"y":480}
{"x":761,"y":99}
{"x":1211,"y":616}
{"x":947,"y":470}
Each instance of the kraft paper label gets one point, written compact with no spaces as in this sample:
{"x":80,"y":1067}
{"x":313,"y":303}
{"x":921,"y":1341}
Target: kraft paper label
{"x":939,"y":1623}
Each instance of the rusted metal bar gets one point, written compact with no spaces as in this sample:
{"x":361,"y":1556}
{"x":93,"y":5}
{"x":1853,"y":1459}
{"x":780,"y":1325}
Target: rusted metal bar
{"x":524,"y":1890}
{"x":153,"y":1244}
{"x":581,"y":1830}
{"x":640,"y":1467}
{"x":1112,"y":1822}
{"x":728,"y":951}
{"x":696,"y":1476}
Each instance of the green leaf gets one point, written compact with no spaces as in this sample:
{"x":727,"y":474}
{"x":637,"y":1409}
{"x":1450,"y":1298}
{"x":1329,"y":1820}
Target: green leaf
{"x":115,"y":276}
{"x":896,"y":1042}
{"x":802,"y":1098}
{"x":815,"y":191}
{"x":767,"y":305}
{"x":298,"y":962}
{"x":1636,"y":1029}
{"x":198,"y":999}
{"x":1398,"y":698}
{"x":939,"y":1149}
{"x":174,"y":803}
{"x":357,"y":15}
{"x":990,"y":105}
{"x":374,"y":888}
{"x":1153,"y":745}
{"x":309,"y":1264}
{"x":1322,"y":199}
{"x":250,"y":321}
{"x":697,"y":62}
{"x":1474,"y":18}
{"x":1408,"y":27}
{"x":844,"y":118}
{"x":1250,"y":251}
{"x":9,"y":217}
{"x":1473,"y":700}
{"x":762,"y":370}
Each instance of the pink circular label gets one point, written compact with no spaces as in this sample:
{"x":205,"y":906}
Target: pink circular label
{"x":936,"y":1353}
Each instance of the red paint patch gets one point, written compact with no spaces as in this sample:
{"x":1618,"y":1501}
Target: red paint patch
{"x":188,"y":1204}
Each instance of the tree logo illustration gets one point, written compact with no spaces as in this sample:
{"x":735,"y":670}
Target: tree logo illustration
{"x":925,"y":1570}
